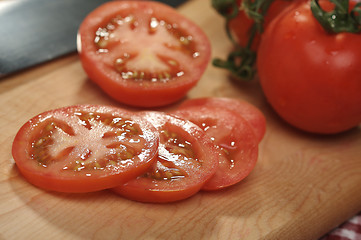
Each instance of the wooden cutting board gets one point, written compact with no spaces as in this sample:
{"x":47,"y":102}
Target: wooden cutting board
{"x":303,"y":185}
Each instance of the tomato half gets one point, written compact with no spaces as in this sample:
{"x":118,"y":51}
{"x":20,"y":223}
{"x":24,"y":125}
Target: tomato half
{"x":310,"y":77}
{"x":187,"y":158}
{"x":142,"y":53}
{"x":234,"y":138}
{"x":247,"y":111}
{"x":84,"y":148}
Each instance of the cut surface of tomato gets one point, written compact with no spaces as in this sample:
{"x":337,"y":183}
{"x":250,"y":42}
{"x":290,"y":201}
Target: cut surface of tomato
{"x":248,"y":111}
{"x":234,"y":138}
{"x":187,"y":158}
{"x":142,"y":53}
{"x":84,"y":148}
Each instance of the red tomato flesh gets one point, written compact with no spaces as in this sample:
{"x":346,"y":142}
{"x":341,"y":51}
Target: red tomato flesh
{"x":142,"y":53}
{"x":246,"y":110}
{"x":234,"y":138}
{"x":186,"y":159}
{"x":84,"y":148}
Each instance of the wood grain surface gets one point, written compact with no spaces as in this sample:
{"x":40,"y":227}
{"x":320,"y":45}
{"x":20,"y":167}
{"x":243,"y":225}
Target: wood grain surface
{"x":303,"y":185}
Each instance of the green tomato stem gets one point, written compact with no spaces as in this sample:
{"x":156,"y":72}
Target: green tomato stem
{"x":340,"y":19}
{"x":241,"y":61}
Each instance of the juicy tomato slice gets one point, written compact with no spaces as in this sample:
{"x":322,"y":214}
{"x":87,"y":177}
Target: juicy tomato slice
{"x":248,"y":111}
{"x":187,"y":158}
{"x":234,"y":138}
{"x":84,"y":148}
{"x":142,"y":53}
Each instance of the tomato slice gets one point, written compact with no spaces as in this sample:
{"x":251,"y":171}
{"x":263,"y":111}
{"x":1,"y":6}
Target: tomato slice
{"x":142,"y":53}
{"x":84,"y":148}
{"x":236,"y":142}
{"x":187,"y":158}
{"x":248,"y":111}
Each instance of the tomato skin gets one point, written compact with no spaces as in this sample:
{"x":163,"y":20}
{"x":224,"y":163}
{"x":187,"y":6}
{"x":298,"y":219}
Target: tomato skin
{"x":249,"y":112}
{"x":53,"y":173}
{"x":149,"y":188}
{"x":233,"y":136}
{"x":142,"y":93}
{"x":311,"y":78}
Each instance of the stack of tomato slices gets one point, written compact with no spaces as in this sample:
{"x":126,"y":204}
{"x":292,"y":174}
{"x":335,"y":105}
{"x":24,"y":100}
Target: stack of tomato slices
{"x":148,"y":156}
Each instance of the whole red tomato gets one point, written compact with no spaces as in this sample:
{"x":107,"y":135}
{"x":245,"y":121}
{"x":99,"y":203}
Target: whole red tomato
{"x":310,"y":77}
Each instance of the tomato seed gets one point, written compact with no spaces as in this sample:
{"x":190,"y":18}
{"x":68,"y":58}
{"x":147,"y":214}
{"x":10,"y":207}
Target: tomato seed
{"x":154,"y":23}
{"x":39,"y":142}
{"x":167,"y":174}
{"x":184,"y":40}
{"x":172,"y":62}
{"x":156,"y":175}
{"x":51,"y":126}
{"x":225,"y":151}
{"x":97,"y":165}
{"x":119,"y":61}
{"x":167,"y":75}
{"x":113,"y":163}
